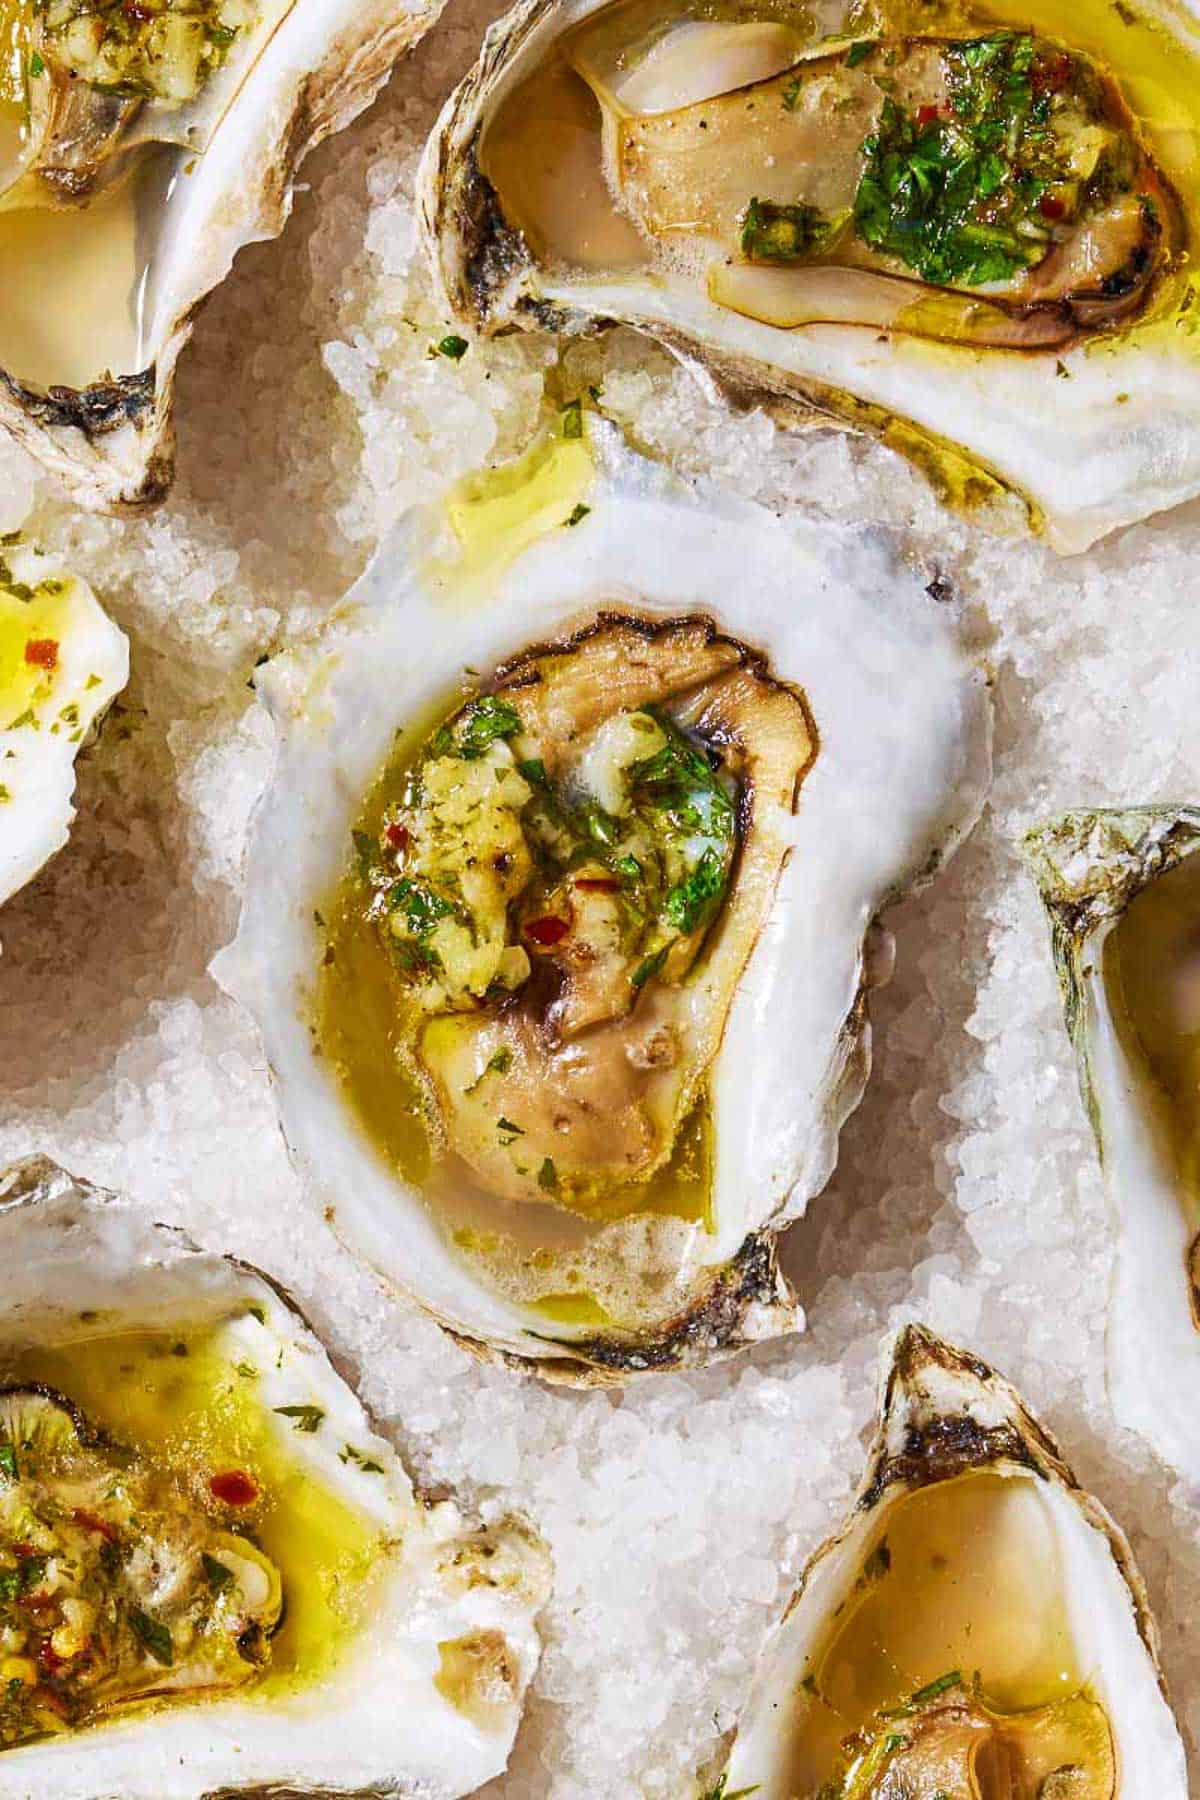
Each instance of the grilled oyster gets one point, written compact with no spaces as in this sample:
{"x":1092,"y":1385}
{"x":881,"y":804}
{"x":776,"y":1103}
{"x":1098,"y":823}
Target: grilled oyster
{"x":509,"y":1028}
{"x":932,"y":222}
{"x":976,"y":1628}
{"x":214,"y":1573}
{"x":1123,"y":894}
{"x":141,"y":146}
{"x":62,"y":661}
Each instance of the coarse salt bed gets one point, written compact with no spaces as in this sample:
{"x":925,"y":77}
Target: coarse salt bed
{"x":311,"y":413}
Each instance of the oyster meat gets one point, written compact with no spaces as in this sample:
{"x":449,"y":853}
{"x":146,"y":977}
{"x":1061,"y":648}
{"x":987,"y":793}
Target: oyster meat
{"x":534,"y":880}
{"x":1122,"y":890}
{"x":215,"y":1575}
{"x":62,"y":662}
{"x":977,"y":1628}
{"x":141,"y":146}
{"x":925,"y":231}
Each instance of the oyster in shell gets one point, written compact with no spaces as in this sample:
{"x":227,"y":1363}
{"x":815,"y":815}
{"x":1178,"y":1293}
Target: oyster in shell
{"x":1122,"y":890}
{"x":62,"y":662}
{"x":215,"y":1575}
{"x":140,"y":148}
{"x":978,"y":1626}
{"x":955,"y":230}
{"x":623,"y":813}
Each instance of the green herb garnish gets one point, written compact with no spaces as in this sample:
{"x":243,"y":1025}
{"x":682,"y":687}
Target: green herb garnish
{"x":216,"y":1574}
{"x":932,"y":1689}
{"x":153,"y":1636}
{"x":304,"y":1418}
{"x":485,"y":720}
{"x":772,"y":233}
{"x":454,"y":347}
{"x":954,"y":196}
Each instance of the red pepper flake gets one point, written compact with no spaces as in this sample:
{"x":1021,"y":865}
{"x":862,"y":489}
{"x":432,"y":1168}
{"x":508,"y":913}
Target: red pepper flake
{"x":90,"y":1522}
{"x":42,"y":653}
{"x":598,"y":884}
{"x":397,"y":836}
{"x":546,"y":931}
{"x":234,"y":1487}
{"x":926,"y":115}
{"x":1051,"y":207}
{"x":1052,"y":78}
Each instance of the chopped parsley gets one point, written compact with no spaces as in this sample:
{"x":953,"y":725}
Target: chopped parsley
{"x":485,"y":720}
{"x":454,"y":347}
{"x":578,"y":512}
{"x":858,"y":53}
{"x":304,"y":1418}
{"x":693,"y":900}
{"x":933,"y":1689}
{"x":772,"y":233}
{"x":216,"y":1574}
{"x":153,"y":1636}
{"x":8,"y":1461}
{"x":649,"y":967}
{"x":348,"y":1454}
{"x":572,"y":419}
{"x":955,"y":195}
{"x":548,"y":1175}
{"x":421,"y":906}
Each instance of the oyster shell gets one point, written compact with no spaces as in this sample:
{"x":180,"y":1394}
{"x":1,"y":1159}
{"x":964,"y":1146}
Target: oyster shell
{"x":1122,"y":894}
{"x":62,"y":662}
{"x":977,"y":1627}
{"x":139,"y":151}
{"x":698,"y":748}
{"x":924,"y":235}
{"x":214,"y":1573}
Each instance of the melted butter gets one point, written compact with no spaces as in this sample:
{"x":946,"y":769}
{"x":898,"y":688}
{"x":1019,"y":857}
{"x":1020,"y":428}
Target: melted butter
{"x":1152,"y":977}
{"x":194,"y":1413}
{"x":498,"y":513}
{"x":15,"y":35}
{"x":24,"y":684}
{"x":555,"y":1261}
{"x":963,"y":1575}
{"x":71,"y":318}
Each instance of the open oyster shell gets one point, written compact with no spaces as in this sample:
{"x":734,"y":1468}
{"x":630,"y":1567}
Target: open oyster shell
{"x":389,"y":1643}
{"x":62,"y":662}
{"x":130,"y":204}
{"x":977,"y":1626}
{"x":673,"y":594}
{"x":755,"y":192}
{"x":1123,"y":896}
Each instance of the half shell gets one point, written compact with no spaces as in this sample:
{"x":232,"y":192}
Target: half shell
{"x":62,"y":663}
{"x":1123,"y":896}
{"x":407,"y":1636}
{"x":977,"y":1616}
{"x":149,"y":223}
{"x":899,"y":713}
{"x":692,"y":173}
